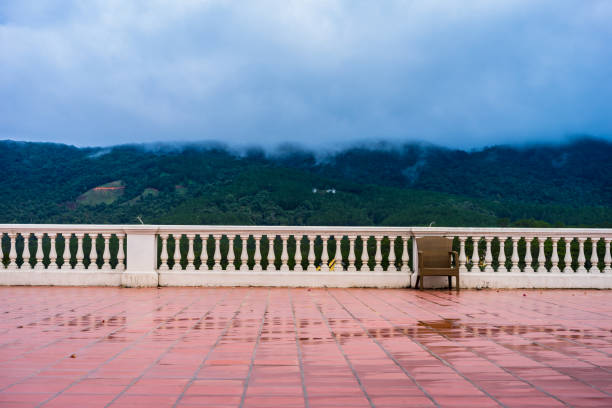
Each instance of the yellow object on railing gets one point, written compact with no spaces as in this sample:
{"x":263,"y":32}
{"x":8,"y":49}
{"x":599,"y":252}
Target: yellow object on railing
{"x":330,"y":264}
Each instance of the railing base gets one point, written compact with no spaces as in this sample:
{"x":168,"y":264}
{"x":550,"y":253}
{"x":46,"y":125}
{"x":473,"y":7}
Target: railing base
{"x":144,"y":279}
{"x":522,"y":280}
{"x":59,"y":277}
{"x":287,"y":279}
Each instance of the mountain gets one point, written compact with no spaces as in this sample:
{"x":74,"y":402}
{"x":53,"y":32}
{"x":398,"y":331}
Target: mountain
{"x":380,"y":184}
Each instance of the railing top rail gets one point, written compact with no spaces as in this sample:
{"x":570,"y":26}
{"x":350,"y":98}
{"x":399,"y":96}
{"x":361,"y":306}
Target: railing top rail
{"x":291,"y":230}
{"x":509,"y":232}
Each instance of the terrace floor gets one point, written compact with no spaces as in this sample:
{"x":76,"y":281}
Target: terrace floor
{"x":260,"y":347}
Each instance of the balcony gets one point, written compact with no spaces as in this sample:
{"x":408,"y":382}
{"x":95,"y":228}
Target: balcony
{"x":383,"y":257}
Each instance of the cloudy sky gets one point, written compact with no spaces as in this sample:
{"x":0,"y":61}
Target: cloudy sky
{"x":451,"y":72}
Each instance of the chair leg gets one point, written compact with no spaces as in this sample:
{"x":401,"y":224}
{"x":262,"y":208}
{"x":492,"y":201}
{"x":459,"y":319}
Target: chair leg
{"x":422,"y":279}
{"x":450,"y":282}
{"x":457,"y":282}
{"x":416,"y":285}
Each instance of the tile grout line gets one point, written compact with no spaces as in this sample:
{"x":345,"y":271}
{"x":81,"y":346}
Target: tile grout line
{"x":299,"y":350}
{"x":248,"y":377}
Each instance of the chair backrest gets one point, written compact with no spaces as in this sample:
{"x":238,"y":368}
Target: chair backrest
{"x":435,"y":251}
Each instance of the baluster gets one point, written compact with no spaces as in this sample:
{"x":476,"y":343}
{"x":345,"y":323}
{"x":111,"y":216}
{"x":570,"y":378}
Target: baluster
{"x":177,"y":252}
{"x":338,"y":266}
{"x":528,"y":256}
{"x":568,"y":256}
{"x":405,"y":266}
{"x":120,"y":254}
{"x":378,"y":255}
{"x":515,"y":257}
{"x":106,"y":252}
{"x":190,"y":253}
{"x":392,"y":267}
{"x":594,"y":258}
{"x":217,"y":255}
{"x":365,"y":258}
{"x":52,"y":252}
{"x":66,"y":249}
{"x":324,"y":255}
{"x":13,"y":251}
{"x":26,"y":251}
{"x":204,"y":252}
{"x":488,"y":256}
{"x":554,"y":257}
{"x":311,"y":253}
{"x":257,"y":255}
{"x":475,"y":255}
{"x":284,"y":254}
{"x":39,"y":251}
{"x":462,"y":257}
{"x":351,"y":255}
{"x":93,"y":250}
{"x":581,"y":257}
{"x":271,"y":267}
{"x":244,"y":255}
{"x":80,"y":255}
{"x":501,"y":259}
{"x":164,"y":253}
{"x":231,"y":257}
{"x":1,"y":251}
{"x":298,"y":253}
{"x":541,"y":255}
{"x":607,"y":257}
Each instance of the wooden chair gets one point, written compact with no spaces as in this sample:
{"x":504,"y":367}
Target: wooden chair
{"x":435,"y":259}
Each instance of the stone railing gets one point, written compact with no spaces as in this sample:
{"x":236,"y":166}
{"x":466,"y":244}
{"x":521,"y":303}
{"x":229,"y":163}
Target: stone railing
{"x":146,"y":255}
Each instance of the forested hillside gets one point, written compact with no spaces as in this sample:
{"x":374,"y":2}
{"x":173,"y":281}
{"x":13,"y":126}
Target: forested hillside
{"x":412,"y":184}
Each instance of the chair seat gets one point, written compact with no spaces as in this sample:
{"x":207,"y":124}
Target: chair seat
{"x":439,"y":271}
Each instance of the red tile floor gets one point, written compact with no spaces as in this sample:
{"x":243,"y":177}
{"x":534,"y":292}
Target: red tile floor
{"x":260,"y":347}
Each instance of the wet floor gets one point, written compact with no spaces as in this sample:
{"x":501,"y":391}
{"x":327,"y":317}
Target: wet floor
{"x":260,"y":347}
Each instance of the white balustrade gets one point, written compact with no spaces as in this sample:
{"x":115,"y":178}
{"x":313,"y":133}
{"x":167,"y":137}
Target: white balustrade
{"x":124,"y":250}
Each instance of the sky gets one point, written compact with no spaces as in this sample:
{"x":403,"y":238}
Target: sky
{"x":313,"y":73}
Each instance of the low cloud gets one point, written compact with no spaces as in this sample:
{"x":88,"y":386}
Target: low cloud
{"x":313,"y":73}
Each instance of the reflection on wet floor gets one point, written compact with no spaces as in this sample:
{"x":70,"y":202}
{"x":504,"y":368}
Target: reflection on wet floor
{"x":285,"y":347}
